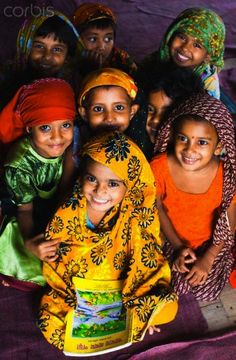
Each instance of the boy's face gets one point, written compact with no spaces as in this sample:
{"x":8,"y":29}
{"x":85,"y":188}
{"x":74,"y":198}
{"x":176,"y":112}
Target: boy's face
{"x":48,"y":55}
{"x":187,"y":51}
{"x":99,"y":41}
{"x":51,"y":140}
{"x":158,"y":103}
{"x":108,"y":109}
{"x":195,"y":144}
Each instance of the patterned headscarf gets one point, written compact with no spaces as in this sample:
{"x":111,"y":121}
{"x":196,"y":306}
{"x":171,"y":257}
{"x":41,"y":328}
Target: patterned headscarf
{"x":125,"y":245}
{"x":214,"y":111}
{"x":107,"y":76}
{"x":88,"y":12}
{"x":203,"y":24}
{"x":28,"y":30}
{"x":42,"y":102}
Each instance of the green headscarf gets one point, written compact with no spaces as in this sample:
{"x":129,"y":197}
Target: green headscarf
{"x":203,"y":24}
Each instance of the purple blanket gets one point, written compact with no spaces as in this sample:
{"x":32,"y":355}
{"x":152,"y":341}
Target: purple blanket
{"x":182,"y":339}
{"x":21,"y":339}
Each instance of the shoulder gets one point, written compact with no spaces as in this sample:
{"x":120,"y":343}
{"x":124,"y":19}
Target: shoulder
{"x":159,"y":161}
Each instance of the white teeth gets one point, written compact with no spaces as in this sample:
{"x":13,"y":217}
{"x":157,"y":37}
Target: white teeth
{"x":100,"y":201}
{"x":182,"y":57}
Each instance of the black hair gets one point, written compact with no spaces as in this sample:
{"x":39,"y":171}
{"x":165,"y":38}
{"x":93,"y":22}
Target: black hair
{"x":99,"y":24}
{"x":61,"y":31}
{"x":176,"y":82}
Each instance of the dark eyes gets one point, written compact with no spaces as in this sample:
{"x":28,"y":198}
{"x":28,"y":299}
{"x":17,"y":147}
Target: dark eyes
{"x":151,"y":109}
{"x":184,"y":139}
{"x":90,"y":178}
{"x":45,"y":128}
{"x":113,"y":184}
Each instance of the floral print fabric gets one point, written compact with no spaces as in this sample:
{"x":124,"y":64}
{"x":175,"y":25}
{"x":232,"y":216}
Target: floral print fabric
{"x":125,"y":245}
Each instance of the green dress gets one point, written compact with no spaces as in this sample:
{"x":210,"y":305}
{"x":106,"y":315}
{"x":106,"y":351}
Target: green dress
{"x":30,"y":178}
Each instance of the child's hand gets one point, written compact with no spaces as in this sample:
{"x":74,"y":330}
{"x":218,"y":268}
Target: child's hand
{"x":153,"y":329}
{"x":185,"y":256}
{"x":44,"y":250}
{"x":199,"y":272}
{"x":93,"y":57}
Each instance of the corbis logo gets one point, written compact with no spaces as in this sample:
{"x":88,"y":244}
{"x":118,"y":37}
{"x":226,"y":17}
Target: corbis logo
{"x":32,"y":10}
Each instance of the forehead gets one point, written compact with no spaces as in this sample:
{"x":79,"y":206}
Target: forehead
{"x":159,"y":99}
{"x":192,"y":125}
{"x":99,"y":170}
{"x":109,"y":94}
{"x":49,"y":39}
{"x":97,"y":31}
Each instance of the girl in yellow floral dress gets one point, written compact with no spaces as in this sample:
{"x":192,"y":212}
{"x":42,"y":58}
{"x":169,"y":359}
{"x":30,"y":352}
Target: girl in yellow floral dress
{"x":109,"y":230}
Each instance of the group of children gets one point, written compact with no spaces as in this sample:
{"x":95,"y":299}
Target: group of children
{"x":84,"y":200}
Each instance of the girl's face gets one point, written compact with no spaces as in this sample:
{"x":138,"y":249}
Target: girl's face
{"x":187,"y":51}
{"x":158,"y":103}
{"x":99,"y":41}
{"x":51,"y":140}
{"x":48,"y":55}
{"x":196,"y":143}
{"x":108,"y":109}
{"x":102,"y":188}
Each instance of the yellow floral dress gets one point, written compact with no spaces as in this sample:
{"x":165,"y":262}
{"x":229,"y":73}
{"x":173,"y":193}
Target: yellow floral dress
{"x":124,"y":246}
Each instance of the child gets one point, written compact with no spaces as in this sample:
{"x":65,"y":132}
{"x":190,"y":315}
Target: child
{"x":45,"y":46}
{"x":109,"y":230}
{"x":196,"y":194}
{"x":195,"y":39}
{"x":96,"y":25}
{"x":45,"y":110}
{"x":105,"y":100}
{"x":165,"y":89}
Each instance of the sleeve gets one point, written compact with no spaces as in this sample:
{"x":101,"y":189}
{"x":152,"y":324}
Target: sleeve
{"x":158,"y":172}
{"x":20,"y":185}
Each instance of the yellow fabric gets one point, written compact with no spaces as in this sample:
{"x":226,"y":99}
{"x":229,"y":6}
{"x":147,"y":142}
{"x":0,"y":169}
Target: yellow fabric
{"x":107,"y":76}
{"x":125,"y":245}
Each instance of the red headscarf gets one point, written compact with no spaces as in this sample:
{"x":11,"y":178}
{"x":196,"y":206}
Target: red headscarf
{"x":88,"y":12}
{"x":42,"y":102}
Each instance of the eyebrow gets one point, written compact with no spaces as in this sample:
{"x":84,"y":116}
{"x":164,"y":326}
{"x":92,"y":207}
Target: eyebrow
{"x":199,"y":137}
{"x":56,"y":44}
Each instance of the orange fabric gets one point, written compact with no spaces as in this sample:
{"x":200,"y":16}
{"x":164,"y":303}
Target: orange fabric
{"x":88,"y":12}
{"x":191,"y":214}
{"x":107,"y":76}
{"x":39,"y":103}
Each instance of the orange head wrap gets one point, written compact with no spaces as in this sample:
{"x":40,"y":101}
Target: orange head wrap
{"x":88,"y":12}
{"x":107,"y":76}
{"x":42,"y":102}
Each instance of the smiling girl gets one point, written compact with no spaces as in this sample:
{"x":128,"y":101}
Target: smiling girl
{"x":195,"y":39}
{"x":197,"y":194}
{"x":109,"y":230}
{"x":43,"y":113}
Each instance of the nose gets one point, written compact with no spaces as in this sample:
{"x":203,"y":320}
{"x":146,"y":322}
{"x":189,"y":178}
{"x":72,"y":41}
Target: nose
{"x":109,"y":117}
{"x":101,"y":188}
{"x":101,"y":44}
{"x":56,"y":134}
{"x":47,"y":54}
{"x":190,"y":146}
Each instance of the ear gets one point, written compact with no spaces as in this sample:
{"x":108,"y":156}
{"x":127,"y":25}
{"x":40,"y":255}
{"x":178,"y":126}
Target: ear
{"x":218,"y":149}
{"x":134,"y":109}
{"x":28,"y":129}
{"x":82,"y":112}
